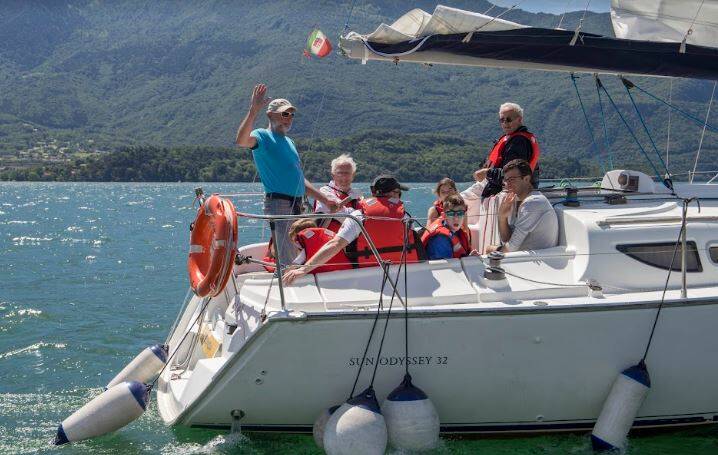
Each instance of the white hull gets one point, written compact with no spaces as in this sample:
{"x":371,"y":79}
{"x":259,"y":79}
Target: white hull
{"x":522,"y":370}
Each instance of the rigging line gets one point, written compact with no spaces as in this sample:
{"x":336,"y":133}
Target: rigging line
{"x":690,"y":28}
{"x":185,"y":301}
{"x":373,"y":327}
{"x":189,"y":330}
{"x":349,"y":16}
{"x":630,"y":130}
{"x":703,"y":133}
{"x":588,"y":122}
{"x":665,"y":287}
{"x":470,"y":35}
{"x":626,"y":84}
{"x":679,"y":110}
{"x":668,"y":135}
{"x":565,"y":10}
{"x":605,"y":128}
{"x":388,"y":316}
{"x":406,"y":305}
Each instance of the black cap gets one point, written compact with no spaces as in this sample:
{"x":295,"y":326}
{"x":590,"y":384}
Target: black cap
{"x":386,"y":183}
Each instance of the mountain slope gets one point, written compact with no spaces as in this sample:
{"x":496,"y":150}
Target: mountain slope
{"x":179,"y":73}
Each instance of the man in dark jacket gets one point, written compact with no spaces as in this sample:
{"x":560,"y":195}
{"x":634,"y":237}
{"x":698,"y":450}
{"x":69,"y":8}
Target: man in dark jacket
{"x":516,"y":143}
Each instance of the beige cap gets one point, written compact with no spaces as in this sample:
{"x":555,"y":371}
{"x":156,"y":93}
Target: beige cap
{"x":279,"y":105}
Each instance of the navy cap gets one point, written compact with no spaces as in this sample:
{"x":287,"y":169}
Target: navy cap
{"x":386,"y":183}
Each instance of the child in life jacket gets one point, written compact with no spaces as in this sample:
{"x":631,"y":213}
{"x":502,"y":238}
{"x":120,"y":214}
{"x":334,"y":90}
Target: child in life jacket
{"x":447,"y":237}
{"x":309,"y":239}
{"x":445,"y":188}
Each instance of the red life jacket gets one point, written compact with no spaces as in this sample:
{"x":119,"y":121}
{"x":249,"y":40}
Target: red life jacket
{"x":496,"y":157}
{"x":335,"y":224}
{"x":269,"y":257}
{"x":383,"y":221}
{"x":460,"y":242}
{"x":439,"y":206}
{"x":312,"y":239}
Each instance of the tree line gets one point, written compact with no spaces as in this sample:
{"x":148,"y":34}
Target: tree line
{"x":411,"y":157}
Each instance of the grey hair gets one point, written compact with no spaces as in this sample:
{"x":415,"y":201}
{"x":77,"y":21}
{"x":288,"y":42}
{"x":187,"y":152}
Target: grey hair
{"x":344,"y":158}
{"x":512,"y":107}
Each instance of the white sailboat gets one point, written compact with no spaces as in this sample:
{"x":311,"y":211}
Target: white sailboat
{"x":534,"y":345}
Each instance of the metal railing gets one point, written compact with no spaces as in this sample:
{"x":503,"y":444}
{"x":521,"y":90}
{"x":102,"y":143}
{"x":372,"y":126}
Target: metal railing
{"x":272,"y":218}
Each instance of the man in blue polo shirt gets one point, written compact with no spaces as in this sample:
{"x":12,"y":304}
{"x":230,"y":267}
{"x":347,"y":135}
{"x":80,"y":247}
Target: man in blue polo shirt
{"x":278,"y":165}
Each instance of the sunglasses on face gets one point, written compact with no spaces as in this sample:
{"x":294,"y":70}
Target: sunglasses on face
{"x":513,"y":179}
{"x":287,"y":114}
{"x":506,"y":119}
{"x":450,"y":213}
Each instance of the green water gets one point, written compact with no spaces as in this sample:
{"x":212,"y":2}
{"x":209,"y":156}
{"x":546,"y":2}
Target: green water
{"x":93,"y":273}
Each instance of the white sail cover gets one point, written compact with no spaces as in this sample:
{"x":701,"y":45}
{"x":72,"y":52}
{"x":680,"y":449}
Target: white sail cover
{"x":417,"y":23}
{"x":666,"y":20}
{"x":452,"y":36}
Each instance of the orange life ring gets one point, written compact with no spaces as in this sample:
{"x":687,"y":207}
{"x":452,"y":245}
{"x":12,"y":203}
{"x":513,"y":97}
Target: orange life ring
{"x":213,"y":244}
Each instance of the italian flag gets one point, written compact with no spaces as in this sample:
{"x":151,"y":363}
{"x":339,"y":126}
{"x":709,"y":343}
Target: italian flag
{"x":318,"y":44}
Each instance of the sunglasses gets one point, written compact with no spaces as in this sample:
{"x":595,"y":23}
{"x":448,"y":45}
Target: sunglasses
{"x":287,"y":114}
{"x":455,"y":212}
{"x":506,"y":119}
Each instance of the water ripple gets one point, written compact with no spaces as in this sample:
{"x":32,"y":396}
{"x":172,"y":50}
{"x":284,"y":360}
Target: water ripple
{"x":32,"y":348}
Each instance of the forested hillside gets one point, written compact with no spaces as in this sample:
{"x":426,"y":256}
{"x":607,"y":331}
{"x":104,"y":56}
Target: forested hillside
{"x":100,"y":75}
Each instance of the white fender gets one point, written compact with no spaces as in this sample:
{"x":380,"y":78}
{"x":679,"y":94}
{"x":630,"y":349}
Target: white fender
{"x":320,"y":424}
{"x":107,"y":412}
{"x":411,"y":418}
{"x":144,"y":367}
{"x":357,"y":427}
{"x":620,"y":409}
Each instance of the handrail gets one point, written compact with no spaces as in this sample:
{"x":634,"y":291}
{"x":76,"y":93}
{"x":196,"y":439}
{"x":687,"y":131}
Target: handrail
{"x":652,"y":219}
{"x":372,"y":247}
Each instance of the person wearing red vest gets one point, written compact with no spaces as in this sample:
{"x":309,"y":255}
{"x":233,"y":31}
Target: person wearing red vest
{"x":343,"y":169}
{"x":445,"y":188}
{"x":446,"y":237}
{"x":516,"y":143}
{"x":309,"y":239}
{"x":385,"y":220}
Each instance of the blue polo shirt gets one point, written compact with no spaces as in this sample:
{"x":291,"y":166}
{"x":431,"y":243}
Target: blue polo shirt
{"x":278,"y":163}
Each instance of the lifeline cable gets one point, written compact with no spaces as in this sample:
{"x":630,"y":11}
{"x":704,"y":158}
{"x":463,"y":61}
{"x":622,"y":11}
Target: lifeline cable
{"x":668,"y":277}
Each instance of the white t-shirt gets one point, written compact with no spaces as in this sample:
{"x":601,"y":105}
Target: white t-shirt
{"x":533,"y":227}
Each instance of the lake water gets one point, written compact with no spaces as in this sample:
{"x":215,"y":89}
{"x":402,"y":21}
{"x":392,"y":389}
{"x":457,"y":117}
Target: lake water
{"x":93,"y":273}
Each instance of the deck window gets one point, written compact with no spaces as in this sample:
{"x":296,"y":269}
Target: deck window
{"x":659,"y":255}
{"x":713,"y":251}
